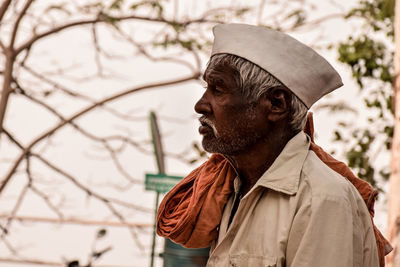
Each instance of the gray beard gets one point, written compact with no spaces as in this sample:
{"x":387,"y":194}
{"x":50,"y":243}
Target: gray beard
{"x":236,"y":141}
{"x":234,"y":145}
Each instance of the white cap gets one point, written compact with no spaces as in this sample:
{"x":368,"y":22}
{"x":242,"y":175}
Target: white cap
{"x":302,"y":70}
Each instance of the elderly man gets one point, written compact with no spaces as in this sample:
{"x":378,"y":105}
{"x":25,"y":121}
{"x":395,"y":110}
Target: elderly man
{"x":265,"y":198}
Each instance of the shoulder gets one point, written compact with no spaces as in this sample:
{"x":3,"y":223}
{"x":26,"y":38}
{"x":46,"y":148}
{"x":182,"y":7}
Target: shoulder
{"x":324,"y":184}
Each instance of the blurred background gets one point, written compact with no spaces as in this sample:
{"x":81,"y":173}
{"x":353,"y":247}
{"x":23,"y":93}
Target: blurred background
{"x":79,"y":79}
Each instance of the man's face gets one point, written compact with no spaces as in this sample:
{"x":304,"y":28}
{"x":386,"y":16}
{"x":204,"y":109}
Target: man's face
{"x":230,"y":124}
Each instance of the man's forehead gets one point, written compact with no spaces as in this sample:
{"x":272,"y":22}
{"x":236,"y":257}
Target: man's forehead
{"x":218,"y":78}
{"x":219,"y":73}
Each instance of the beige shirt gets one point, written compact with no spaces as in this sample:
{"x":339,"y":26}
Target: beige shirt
{"x":300,"y":213}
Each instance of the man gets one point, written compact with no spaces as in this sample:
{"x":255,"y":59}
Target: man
{"x":286,"y":207}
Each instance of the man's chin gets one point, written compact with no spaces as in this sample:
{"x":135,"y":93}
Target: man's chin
{"x":212,"y":145}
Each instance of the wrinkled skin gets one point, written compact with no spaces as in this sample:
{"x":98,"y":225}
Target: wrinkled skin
{"x":230,"y":123}
{"x":250,"y":134}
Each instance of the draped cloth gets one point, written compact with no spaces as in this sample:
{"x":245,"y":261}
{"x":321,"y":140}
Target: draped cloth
{"x":191,"y":212}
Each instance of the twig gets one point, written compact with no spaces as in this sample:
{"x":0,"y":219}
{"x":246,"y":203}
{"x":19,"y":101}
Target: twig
{"x":3,"y":47}
{"x":97,"y":51}
{"x":57,"y":85}
{"x":314,"y":22}
{"x":46,"y":199}
{"x":3,"y":8}
{"x":48,"y":262}
{"x":100,"y":19}
{"x":83,"y":112}
{"x":143,"y":51}
{"x":76,"y":221}
{"x":11,"y":217}
{"x":108,"y":202}
{"x":104,"y":141}
{"x":116,"y":201}
{"x":10,"y":247}
{"x":12,"y":138}
{"x":260,"y":11}
{"x":18,"y":21}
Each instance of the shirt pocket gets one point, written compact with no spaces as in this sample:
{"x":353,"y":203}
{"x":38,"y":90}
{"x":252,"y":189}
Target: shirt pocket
{"x":246,"y":260}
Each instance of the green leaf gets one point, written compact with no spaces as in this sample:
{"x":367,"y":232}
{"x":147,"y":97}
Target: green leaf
{"x":116,"y":4}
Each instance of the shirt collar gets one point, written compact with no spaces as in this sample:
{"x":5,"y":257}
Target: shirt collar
{"x":284,"y":173}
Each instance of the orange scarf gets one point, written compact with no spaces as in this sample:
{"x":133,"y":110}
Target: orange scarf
{"x":191,"y":212}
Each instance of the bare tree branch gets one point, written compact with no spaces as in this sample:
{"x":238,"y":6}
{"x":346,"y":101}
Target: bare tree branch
{"x":144,"y":52}
{"x":83,"y":112}
{"x":3,"y":47}
{"x":57,"y":85}
{"x":100,"y":19}
{"x":107,"y":201}
{"x":48,"y":262}
{"x":47,"y":201}
{"x":12,"y":138}
{"x":6,"y":90}
{"x":307,"y":25}
{"x":103,"y":141}
{"x":10,"y":247}
{"x":97,"y":51}
{"x":73,"y":93}
{"x":3,"y":8}
{"x":76,"y":221}
{"x":260,"y":12}
{"x":13,"y":213}
{"x":18,"y":21}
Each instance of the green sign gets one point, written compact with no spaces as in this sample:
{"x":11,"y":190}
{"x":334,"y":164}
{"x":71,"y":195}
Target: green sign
{"x":161,"y":183}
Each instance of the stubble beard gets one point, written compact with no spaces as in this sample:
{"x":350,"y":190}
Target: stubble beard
{"x":238,"y":139}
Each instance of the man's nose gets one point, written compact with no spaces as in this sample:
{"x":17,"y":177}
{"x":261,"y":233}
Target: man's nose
{"x":203,"y":105}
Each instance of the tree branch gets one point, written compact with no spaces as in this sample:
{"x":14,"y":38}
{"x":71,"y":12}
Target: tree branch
{"x":47,"y":262}
{"x":18,"y":21}
{"x":107,"y":201}
{"x":102,"y":140}
{"x":57,"y":85}
{"x":6,"y":90}
{"x":116,"y":201}
{"x":12,"y":138}
{"x":315,"y":22}
{"x":144,"y":52}
{"x":76,"y":221}
{"x":4,"y":8}
{"x":83,"y":112}
{"x":13,"y":213}
{"x":100,"y":19}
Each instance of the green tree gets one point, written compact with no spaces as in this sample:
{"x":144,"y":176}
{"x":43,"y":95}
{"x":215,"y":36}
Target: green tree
{"x":369,"y":55}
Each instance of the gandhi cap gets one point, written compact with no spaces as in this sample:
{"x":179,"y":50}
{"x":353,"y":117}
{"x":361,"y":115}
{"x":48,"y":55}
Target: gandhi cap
{"x":302,"y":70}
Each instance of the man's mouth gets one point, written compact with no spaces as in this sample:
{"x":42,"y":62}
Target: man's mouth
{"x":206,"y":126}
{"x":205,"y":129}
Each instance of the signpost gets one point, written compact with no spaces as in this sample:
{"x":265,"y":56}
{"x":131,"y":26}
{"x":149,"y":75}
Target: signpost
{"x":174,"y":254}
{"x":161,"y":183}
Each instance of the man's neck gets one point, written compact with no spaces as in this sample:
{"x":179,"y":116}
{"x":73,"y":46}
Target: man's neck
{"x":254,"y":162}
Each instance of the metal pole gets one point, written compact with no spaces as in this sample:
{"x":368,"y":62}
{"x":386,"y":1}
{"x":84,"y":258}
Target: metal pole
{"x":159,"y":153}
{"x":153,"y":245}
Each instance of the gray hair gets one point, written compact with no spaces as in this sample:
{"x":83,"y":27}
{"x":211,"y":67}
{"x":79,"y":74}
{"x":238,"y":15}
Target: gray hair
{"x":255,"y":81}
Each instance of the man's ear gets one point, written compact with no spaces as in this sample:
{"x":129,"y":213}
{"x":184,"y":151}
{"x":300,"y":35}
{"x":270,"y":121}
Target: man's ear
{"x":277,"y":101}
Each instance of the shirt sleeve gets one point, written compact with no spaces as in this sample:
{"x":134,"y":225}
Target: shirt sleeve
{"x":327,"y":231}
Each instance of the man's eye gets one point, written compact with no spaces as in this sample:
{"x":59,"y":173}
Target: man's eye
{"x":216,"y":90}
